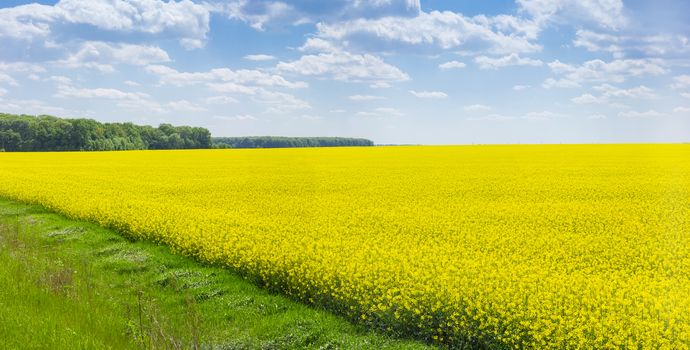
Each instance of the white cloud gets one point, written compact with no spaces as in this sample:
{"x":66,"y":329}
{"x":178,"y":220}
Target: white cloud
{"x":184,"y":20}
{"x":452,"y":65}
{"x":685,"y":110}
{"x":318,"y":45}
{"x":185,"y":106}
{"x":65,"y":91}
{"x":26,"y":22}
{"x":60,"y":79}
{"x":681,"y":82}
{"x":221,"y":100}
{"x":382,"y":112}
{"x":521,"y":87}
{"x":131,"y":83}
{"x":309,"y":117}
{"x":24,"y":67}
{"x":337,"y":111}
{"x":33,"y":107}
{"x":233,"y":88}
{"x":476,"y":108}
{"x":640,"y":92}
{"x":170,"y":76}
{"x":239,"y":117}
{"x":344,"y":66}
{"x":360,"y":98}
{"x":635,"y":114}
{"x":259,"y":57}
{"x":541,"y":116}
{"x":261,"y":14}
{"x":587,"y":99}
{"x":559,"y":83}
{"x":493,"y":117}
{"x":625,"y":45}
{"x":605,"y":13}
{"x":513,"y":59}
{"x":429,"y":94}
{"x":280,"y":102}
{"x":597,"y":116}
{"x":685,"y":94}
{"x":616,"y":71}
{"x":3,"y":92}
{"x":445,"y":30}
{"x":102,"y":56}
{"x":609,"y":92}
{"x":380,"y":85}
{"x":6,"y":79}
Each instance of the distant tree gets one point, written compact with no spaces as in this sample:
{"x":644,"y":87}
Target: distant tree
{"x":286,"y":142}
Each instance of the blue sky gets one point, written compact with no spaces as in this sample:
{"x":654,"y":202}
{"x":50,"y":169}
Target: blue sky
{"x":395,"y":71}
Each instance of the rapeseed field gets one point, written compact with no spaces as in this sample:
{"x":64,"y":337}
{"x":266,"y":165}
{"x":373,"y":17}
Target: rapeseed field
{"x":535,"y":246}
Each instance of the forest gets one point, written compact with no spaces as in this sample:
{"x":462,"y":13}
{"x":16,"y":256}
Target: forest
{"x":26,"y":133}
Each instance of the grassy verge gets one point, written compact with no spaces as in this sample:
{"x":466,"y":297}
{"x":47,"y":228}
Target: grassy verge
{"x":73,"y":285}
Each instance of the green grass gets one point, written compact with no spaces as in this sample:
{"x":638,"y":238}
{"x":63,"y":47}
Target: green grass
{"x":68,"y":284}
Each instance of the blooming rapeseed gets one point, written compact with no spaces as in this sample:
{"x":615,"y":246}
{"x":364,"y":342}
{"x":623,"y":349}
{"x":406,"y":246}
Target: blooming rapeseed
{"x":569,"y":246}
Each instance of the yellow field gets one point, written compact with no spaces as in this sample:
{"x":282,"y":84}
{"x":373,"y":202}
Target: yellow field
{"x":532,"y":246}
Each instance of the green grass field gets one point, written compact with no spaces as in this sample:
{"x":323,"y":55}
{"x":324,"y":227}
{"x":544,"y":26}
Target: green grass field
{"x":74,"y":285}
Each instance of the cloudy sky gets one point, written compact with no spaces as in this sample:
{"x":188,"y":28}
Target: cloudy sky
{"x":395,"y":71}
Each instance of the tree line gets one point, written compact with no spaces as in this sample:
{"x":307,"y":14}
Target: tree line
{"x":287,"y":142}
{"x":48,"y":133}
{"x":27,"y":133}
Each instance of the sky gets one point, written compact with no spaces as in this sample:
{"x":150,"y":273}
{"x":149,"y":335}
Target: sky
{"x":394,"y":71}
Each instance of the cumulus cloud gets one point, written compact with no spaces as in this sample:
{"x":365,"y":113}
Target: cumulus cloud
{"x":23,"y":67}
{"x":344,"y":66}
{"x":184,"y":20}
{"x":559,"y":83}
{"x":682,"y":110}
{"x":521,"y":87}
{"x":609,"y":92}
{"x":476,"y":108}
{"x":604,"y":13}
{"x":221,"y":100}
{"x":104,"y":93}
{"x":33,"y":107}
{"x":587,"y":99}
{"x":382,"y":112}
{"x":278,"y":102}
{"x":626,"y":45}
{"x":635,"y":114}
{"x":60,"y":79}
{"x":239,"y":117}
{"x":102,"y":56}
{"x":444,"y":30}
{"x":259,"y":57}
{"x":360,"y":98}
{"x":261,"y":14}
{"x":640,"y":92}
{"x":514,"y":59}
{"x":428,"y":94}
{"x":452,"y":65}
{"x":616,"y":71}
{"x":249,"y":77}
{"x":494,"y":117}
{"x":6,"y":79}
{"x":185,"y":106}
{"x":681,"y":82}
